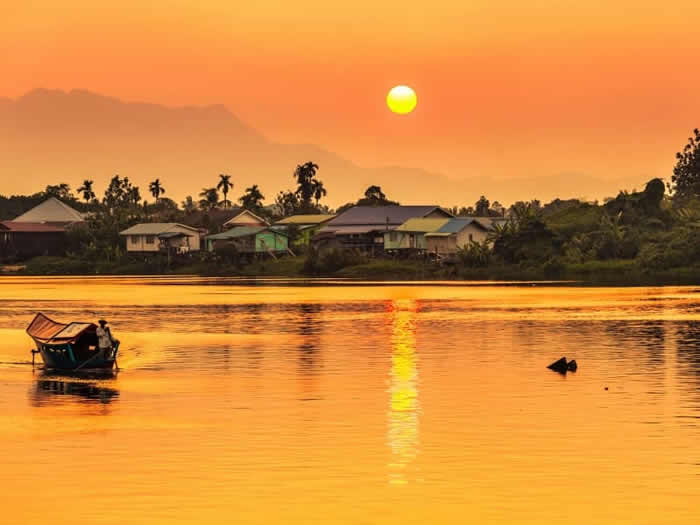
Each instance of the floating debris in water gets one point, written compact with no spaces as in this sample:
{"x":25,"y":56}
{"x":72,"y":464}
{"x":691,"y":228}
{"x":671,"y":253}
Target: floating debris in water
{"x":563,"y":366}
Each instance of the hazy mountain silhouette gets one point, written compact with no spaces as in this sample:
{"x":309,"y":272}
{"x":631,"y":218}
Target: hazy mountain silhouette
{"x":49,"y":136}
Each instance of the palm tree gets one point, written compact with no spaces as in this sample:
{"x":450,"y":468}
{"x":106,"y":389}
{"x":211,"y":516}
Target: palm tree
{"x":225,"y":185}
{"x":252,"y":198}
{"x":86,"y":190}
{"x":156,"y":189}
{"x":210,"y":198}
{"x":319,"y":191}
{"x":188,"y":205}
{"x":305,"y":175}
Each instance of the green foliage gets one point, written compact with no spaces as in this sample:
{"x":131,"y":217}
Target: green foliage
{"x":209,"y":199}
{"x":225,"y":185}
{"x":156,"y":189}
{"x":474,"y":254}
{"x":308,"y":187}
{"x":686,"y":173}
{"x":482,"y":207}
{"x":330,"y":261}
{"x":524,"y":238}
{"x":252,"y":199}
{"x":57,"y":266}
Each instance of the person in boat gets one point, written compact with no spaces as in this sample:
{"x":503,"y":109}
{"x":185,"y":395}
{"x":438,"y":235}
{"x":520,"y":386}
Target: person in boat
{"x":105,"y":340}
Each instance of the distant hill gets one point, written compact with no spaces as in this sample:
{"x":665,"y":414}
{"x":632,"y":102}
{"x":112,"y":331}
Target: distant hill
{"x":51,"y":136}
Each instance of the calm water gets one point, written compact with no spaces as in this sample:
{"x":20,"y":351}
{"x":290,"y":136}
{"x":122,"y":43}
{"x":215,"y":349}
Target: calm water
{"x":355,"y":404}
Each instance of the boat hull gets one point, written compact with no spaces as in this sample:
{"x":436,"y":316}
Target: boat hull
{"x":62,"y":357}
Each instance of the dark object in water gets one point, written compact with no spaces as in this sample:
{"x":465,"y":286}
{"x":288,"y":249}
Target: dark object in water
{"x":562,"y":366}
{"x":559,"y":366}
{"x":70,"y":347}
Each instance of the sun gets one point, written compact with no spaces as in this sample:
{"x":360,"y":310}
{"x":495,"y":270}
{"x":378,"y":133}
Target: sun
{"x":401,"y":100}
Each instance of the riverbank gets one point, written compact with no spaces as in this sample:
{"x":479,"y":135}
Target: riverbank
{"x":610,"y":272}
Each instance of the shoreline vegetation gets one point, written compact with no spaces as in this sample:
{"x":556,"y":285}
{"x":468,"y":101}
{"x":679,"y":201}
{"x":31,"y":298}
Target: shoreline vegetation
{"x":647,"y":237}
{"x":611,"y":272}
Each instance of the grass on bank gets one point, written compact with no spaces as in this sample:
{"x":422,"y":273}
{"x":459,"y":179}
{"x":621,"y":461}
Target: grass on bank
{"x":608,"y":272}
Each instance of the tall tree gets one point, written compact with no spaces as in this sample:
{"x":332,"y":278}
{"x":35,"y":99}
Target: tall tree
{"x":209,"y":198}
{"x":225,"y":185}
{"x":319,"y":191}
{"x":686,"y":173}
{"x":375,"y":193}
{"x":121,"y":195}
{"x":305,"y":175}
{"x":287,"y":203}
{"x":252,"y":198}
{"x":60,"y":191}
{"x":156,"y":189}
{"x":86,"y":191}
{"x":482,"y":207}
{"x":188,"y":205}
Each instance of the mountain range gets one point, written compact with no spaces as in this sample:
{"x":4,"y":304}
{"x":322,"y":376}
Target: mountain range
{"x":51,"y":136}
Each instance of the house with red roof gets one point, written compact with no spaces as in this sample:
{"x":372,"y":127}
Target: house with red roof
{"x":23,"y":240}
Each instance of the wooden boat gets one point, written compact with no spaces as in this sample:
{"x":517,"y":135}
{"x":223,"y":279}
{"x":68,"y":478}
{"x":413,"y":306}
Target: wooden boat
{"x":69,"y":347}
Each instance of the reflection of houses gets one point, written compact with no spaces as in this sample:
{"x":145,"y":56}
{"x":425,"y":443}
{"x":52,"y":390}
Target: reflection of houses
{"x":250,"y":240}
{"x":52,"y":211}
{"x":26,"y":239}
{"x":161,"y":236}
{"x":411,"y":234}
{"x":363,"y":227}
{"x":457,"y":233}
{"x":308,"y":226}
{"x":245,"y":218}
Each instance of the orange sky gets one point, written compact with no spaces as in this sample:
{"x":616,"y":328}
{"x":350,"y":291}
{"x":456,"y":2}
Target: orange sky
{"x":521,"y":89}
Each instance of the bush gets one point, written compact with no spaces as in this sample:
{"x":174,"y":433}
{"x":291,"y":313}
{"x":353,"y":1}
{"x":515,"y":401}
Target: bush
{"x":330,"y":261}
{"x":553,"y":268}
{"x":58,"y":266}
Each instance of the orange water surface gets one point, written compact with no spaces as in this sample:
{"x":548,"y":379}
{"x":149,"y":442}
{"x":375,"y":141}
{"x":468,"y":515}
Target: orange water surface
{"x":329,"y":402}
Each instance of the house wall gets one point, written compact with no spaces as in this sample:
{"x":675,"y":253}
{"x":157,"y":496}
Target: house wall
{"x":270,"y":240}
{"x":471,"y":232}
{"x":452,"y":243}
{"x":140,"y":243}
{"x":31,"y":244}
{"x":398,"y":240}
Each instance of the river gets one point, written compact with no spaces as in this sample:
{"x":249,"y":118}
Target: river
{"x":327,"y":402}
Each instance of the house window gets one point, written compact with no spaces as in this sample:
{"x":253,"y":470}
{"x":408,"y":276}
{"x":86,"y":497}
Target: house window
{"x":134,"y":239}
{"x":150,"y":239}
{"x":393,"y":236}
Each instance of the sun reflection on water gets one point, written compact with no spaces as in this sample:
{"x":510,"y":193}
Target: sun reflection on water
{"x":404,"y":409}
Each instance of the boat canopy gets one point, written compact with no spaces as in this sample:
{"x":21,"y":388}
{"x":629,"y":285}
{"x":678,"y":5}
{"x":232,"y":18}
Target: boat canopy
{"x":45,"y":330}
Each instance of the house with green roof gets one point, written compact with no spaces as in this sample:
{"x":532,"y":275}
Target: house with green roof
{"x":411,"y":234}
{"x":457,"y":233}
{"x":250,"y":240}
{"x":307,"y":225}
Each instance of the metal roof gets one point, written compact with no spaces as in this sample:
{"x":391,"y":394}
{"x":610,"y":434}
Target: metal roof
{"x":156,"y":228}
{"x":246,"y":217}
{"x":381,"y":215}
{"x":359,"y":229}
{"x":305,"y":219}
{"x":51,"y":210}
{"x":242,"y":231}
{"x":29,"y":227}
{"x":422,"y":225}
{"x":457,"y":224}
